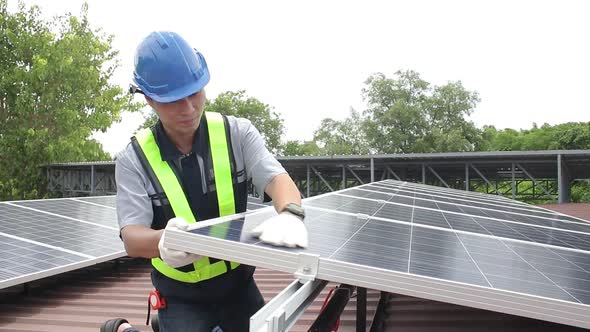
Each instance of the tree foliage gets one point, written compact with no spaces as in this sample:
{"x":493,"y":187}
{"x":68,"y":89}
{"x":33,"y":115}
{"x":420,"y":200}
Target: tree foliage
{"x":54,"y":93}
{"x":344,"y":137}
{"x":297,"y":148}
{"x":238,"y":104}
{"x":407,"y":114}
{"x":565,"y":136}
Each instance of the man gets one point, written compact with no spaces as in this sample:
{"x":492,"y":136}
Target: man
{"x":193,"y":166}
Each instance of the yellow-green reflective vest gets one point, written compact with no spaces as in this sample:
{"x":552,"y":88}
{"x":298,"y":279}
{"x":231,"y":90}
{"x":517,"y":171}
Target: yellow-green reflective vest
{"x":171,"y":186}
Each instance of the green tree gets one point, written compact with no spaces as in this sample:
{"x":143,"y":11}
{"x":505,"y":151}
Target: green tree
{"x":54,"y":93}
{"x":296,"y":148}
{"x":238,"y":104}
{"x":565,"y":136}
{"x":571,"y":136}
{"x":406,"y":114}
{"x":344,"y":137}
{"x":446,"y":112}
{"x":396,"y":114}
{"x":581,"y":191}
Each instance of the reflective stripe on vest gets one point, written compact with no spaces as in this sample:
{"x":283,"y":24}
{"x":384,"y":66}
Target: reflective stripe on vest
{"x":180,"y":205}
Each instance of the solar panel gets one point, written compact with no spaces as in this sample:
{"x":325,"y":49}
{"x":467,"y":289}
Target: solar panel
{"x":47,"y":237}
{"x":100,"y":200}
{"x":75,"y":209}
{"x":40,"y":238}
{"x":518,"y":263}
{"x":466,"y":198}
{"x":21,"y":258}
{"x":256,"y":203}
{"x":516,"y":208}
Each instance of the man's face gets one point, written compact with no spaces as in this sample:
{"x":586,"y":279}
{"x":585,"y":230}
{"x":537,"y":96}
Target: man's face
{"x":181,"y":116}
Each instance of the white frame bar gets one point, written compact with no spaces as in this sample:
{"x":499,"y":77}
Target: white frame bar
{"x":281,"y":313}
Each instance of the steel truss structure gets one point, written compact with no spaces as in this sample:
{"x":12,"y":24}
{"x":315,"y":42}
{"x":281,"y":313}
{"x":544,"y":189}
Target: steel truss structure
{"x":522,"y":175}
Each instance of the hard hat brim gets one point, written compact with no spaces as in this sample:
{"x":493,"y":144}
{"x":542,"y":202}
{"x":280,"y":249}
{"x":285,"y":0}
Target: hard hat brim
{"x":182,"y":92}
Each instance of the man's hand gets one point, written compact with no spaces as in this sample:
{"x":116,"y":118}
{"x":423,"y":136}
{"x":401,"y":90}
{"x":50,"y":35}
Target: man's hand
{"x":284,"y":229}
{"x":175,"y":258}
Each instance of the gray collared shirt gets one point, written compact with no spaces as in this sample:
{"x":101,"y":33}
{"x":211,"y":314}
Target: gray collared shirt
{"x":134,"y":206}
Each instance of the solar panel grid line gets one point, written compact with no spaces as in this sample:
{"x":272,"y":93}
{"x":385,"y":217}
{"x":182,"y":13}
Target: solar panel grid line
{"x":308,"y":199}
{"x":451,"y":292}
{"x":45,"y":245}
{"x":484,"y":198}
{"x":411,"y":235}
{"x":528,"y":238}
{"x":480,"y":216}
{"x":585,"y":226}
{"x":75,"y":209}
{"x":434,"y":199}
{"x":512,"y":227}
{"x":450,"y":191}
{"x":459,"y":194}
{"x":92,"y":203}
{"x":379,"y":187}
{"x":574,"y":234}
{"x":61,"y":216}
{"x":573,"y":263}
{"x":447,"y":191}
{"x":25,"y":260}
{"x":103,"y":200}
{"x":24,"y":278}
{"x":522,"y":259}
{"x":336,"y":251}
{"x":463,"y":201}
{"x":490,"y":236}
{"x":551,"y":280}
{"x":47,"y":238}
{"x":62,"y":232}
{"x":468,"y":253}
{"x":568,"y":282}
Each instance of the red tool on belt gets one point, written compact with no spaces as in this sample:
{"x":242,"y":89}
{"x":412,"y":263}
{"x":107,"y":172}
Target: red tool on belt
{"x":155,"y":302}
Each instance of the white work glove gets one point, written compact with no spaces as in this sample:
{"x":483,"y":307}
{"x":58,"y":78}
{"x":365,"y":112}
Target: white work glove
{"x":175,"y":258}
{"x":284,"y":229}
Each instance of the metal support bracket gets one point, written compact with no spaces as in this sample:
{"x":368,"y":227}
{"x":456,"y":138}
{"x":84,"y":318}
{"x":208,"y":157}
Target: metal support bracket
{"x":282,"y":312}
{"x":356,"y":176}
{"x":437,"y":176}
{"x":485,"y":179}
{"x":536,"y":182}
{"x":393,"y":173}
{"x":322,"y":178}
{"x":307,"y":267}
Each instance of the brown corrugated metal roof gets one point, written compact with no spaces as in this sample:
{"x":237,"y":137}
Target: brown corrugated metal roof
{"x":580,"y":210}
{"x":409,"y":314}
{"x":82,"y":300}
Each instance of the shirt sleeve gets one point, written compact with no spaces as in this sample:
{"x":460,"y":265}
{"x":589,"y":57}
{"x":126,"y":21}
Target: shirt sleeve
{"x":134,"y":206}
{"x":261,"y":166}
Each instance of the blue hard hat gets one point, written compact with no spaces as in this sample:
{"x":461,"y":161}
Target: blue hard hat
{"x":167,"y":68}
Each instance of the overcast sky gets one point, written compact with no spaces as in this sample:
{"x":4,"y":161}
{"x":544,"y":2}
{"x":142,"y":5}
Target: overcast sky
{"x":529,"y":60}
